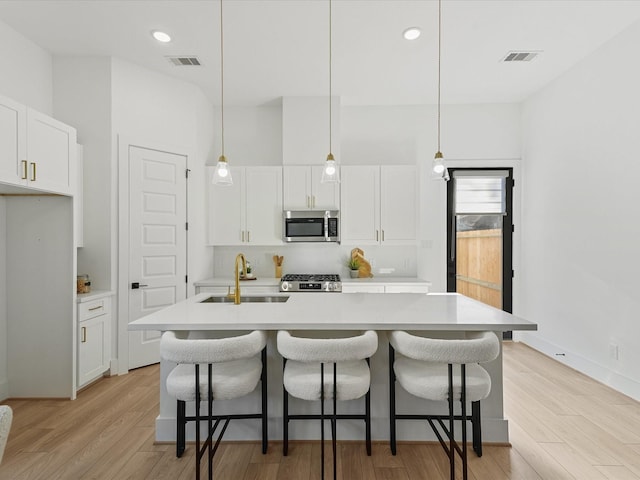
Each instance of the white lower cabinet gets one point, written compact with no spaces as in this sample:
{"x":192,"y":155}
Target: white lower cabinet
{"x":94,"y":339}
{"x":409,"y":287}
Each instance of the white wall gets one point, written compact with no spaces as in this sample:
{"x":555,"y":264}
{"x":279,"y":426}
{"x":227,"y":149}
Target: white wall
{"x":4,"y":386}
{"x":26,"y":71}
{"x":28,"y":81}
{"x":580,"y":208}
{"x":82,"y":98}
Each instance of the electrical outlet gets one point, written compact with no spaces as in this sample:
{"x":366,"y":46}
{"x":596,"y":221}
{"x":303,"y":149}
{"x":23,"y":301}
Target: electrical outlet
{"x":613,"y":351}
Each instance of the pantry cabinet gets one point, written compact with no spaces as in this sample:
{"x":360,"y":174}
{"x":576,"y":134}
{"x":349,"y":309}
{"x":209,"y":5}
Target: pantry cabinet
{"x":249,"y":212}
{"x":303,"y":189}
{"x":36,"y":151}
{"x":94,"y":337}
{"x":379,"y":205}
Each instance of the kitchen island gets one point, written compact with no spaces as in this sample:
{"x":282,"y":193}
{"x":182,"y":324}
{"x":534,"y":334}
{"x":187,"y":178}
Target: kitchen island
{"x":443,"y":314}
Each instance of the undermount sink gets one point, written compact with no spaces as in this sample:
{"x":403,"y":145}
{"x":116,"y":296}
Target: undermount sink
{"x":251,"y":299}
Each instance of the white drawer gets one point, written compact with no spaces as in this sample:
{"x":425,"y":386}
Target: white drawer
{"x":93,"y":309}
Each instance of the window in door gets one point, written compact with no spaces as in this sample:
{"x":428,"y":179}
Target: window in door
{"x":480,"y":226}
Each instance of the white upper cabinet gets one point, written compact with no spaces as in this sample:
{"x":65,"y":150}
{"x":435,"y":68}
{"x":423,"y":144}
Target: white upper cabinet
{"x":360,"y":210}
{"x":398,"y":205}
{"x":303,"y":189}
{"x":51,"y":151}
{"x":36,"y":151}
{"x":249,"y":212}
{"x":13,"y":121}
{"x":379,"y":205}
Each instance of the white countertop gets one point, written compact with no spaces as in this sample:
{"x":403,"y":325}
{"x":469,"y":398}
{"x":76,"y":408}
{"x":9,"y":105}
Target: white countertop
{"x":93,"y":295}
{"x":335,"y":311}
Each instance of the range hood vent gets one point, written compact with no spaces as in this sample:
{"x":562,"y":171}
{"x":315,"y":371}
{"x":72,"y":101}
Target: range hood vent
{"x":183,"y":61}
{"x":520,"y":56}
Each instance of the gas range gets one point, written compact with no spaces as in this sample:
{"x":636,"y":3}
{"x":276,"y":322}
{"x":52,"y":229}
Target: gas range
{"x":304,"y":282}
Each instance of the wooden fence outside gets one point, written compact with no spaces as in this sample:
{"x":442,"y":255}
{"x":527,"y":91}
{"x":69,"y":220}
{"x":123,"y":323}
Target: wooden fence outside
{"x":479,"y":265}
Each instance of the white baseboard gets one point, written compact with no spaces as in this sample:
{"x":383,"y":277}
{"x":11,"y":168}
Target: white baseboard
{"x":598,"y":372}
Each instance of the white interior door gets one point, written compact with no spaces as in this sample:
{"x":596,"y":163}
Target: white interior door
{"x":157,"y":242}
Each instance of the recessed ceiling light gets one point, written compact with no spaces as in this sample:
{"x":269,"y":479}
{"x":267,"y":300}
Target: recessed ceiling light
{"x":411,"y":33}
{"x":161,"y":36}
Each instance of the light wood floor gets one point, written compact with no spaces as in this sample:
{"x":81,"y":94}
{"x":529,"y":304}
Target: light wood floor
{"x":562,"y":426}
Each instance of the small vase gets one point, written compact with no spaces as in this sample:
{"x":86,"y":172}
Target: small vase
{"x":354,"y":273}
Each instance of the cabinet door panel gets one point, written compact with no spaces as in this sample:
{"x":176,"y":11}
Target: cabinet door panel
{"x":226,"y":210}
{"x":324,"y":196}
{"x":264,"y":205}
{"x":297,"y":183}
{"x":91,"y":349}
{"x":398,"y":189}
{"x":360,"y":191}
{"x":51,"y":152}
{"x":12,"y":142}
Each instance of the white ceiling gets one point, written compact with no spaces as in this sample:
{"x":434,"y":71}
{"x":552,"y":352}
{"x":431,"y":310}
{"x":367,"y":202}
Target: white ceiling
{"x":276,"y":48}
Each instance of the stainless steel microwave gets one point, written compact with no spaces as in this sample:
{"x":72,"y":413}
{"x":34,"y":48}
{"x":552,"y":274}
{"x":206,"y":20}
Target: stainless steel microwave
{"x":311,"y":226}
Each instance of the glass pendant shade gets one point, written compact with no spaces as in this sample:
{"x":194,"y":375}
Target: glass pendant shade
{"x":330,"y":173}
{"x":438,"y":163}
{"x":222,"y":174}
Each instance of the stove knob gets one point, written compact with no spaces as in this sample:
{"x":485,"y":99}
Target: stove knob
{"x":330,"y":287}
{"x":284,"y":286}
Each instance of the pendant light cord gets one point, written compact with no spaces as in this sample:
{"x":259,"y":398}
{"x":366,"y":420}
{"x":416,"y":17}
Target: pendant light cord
{"x":221,"y":81}
{"x":439,"y":54}
{"x":330,"y":107}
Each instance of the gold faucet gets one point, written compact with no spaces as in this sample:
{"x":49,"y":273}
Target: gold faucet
{"x":236,"y":294}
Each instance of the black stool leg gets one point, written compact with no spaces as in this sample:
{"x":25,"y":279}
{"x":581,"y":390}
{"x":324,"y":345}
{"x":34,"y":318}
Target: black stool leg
{"x":285,"y":414}
{"x":198,"y":456}
{"x":392,"y":401}
{"x":452,"y":458}
{"x":322,"y":421}
{"x":477,"y":428}
{"x":333,"y":420}
{"x":263,"y":381}
{"x":463,"y":402}
{"x":181,"y":425}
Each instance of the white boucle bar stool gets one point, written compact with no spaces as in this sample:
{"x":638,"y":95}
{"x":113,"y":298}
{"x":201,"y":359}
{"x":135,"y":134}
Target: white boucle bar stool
{"x":424,"y":368}
{"x":6,"y":416}
{"x":233,"y":368}
{"x":305,"y":377}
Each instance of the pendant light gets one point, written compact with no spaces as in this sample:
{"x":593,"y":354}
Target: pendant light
{"x":439,"y":170}
{"x":222,"y":174}
{"x":330,"y":172}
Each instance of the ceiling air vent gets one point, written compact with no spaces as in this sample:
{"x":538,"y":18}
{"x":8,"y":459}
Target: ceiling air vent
{"x":520,"y":56}
{"x":181,"y":61}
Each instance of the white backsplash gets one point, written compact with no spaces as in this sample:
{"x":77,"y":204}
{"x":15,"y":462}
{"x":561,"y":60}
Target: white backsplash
{"x":397,"y":261}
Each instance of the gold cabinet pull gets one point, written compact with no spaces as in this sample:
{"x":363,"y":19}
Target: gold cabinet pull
{"x":248,"y":236}
{"x":33,"y":171}
{"x":383,"y":235}
{"x":308,"y":201}
{"x":376,"y":235}
{"x":313,"y":201}
{"x":243,"y":235}
{"x":95,"y":308}
{"x":83,"y":335}
{"x":24,"y":169}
